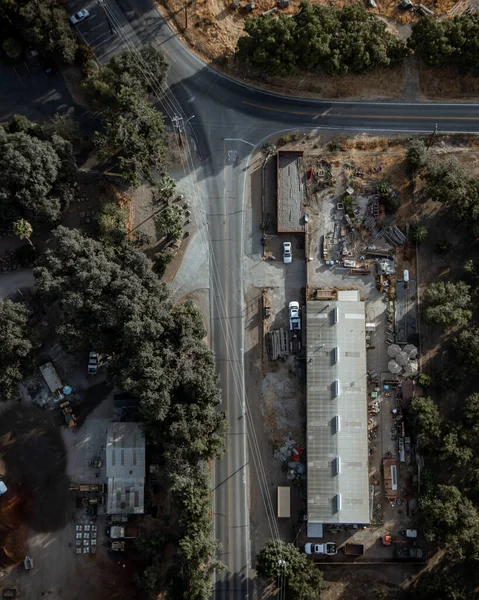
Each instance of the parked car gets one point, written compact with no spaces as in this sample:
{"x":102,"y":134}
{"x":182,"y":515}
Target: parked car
{"x":287,"y":253}
{"x":93,"y":363}
{"x":80,"y":16}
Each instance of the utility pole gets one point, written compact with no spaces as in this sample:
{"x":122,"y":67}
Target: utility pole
{"x":102,"y":4}
{"x":186,"y":15}
{"x":178,"y":125}
{"x":434,"y":133}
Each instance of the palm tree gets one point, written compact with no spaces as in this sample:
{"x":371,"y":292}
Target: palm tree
{"x":23,"y":230}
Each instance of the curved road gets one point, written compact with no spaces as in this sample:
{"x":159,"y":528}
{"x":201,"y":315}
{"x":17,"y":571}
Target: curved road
{"x":226,"y":121}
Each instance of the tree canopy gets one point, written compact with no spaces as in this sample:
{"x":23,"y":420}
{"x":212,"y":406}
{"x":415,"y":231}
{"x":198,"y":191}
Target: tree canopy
{"x":36,"y":174}
{"x":134,"y":131}
{"x":441,"y":42}
{"x":319,"y":39}
{"x":41,"y":24}
{"x":286,"y":564}
{"x":447,"y":304}
{"x":451,"y":519}
{"x":417,"y":155}
{"x":15,"y":346}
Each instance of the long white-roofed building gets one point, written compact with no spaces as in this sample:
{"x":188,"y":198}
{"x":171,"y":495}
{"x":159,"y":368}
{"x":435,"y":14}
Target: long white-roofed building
{"x":337,"y":420}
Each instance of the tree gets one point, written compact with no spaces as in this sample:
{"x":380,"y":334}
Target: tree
{"x":426,"y":421}
{"x":319,"y":39}
{"x":135,"y":134}
{"x":111,"y":221}
{"x":447,"y":304}
{"x":418,"y":233}
{"x":417,"y":155}
{"x":143,"y":71}
{"x":466,"y":345}
{"x":23,"y":230}
{"x":15,"y":347}
{"x":282,"y":562}
{"x":448,"y":42}
{"x":451,"y":520}
{"x":12,"y":48}
{"x":441,"y":584}
{"x":169,"y":223}
{"x":36,"y":176}
{"x":424,"y":380}
{"x":45,"y":26}
{"x":388,"y":196}
{"x":448,"y":182}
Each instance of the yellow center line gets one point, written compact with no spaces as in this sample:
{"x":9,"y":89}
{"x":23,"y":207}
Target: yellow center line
{"x":358,"y":116}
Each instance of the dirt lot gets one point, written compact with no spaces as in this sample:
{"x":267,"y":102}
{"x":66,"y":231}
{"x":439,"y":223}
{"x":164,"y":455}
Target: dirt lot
{"x":359,"y":163}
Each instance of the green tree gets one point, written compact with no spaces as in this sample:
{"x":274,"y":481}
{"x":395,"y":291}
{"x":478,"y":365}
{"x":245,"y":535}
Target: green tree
{"x":448,"y":41}
{"x":424,"y":380}
{"x":145,"y":74}
{"x":448,"y":182}
{"x":282,"y":562}
{"x":36,"y":177}
{"x":45,"y":26}
{"x":16,"y":346}
{"x":466,"y":345}
{"x":417,"y":155}
{"x":23,"y":230}
{"x":388,"y":196}
{"x":135,"y":134}
{"x":440,"y":584}
{"x":319,"y":39}
{"x":12,"y":48}
{"x":418,"y":233}
{"x":451,"y":520}
{"x":447,"y":304}
{"x":426,"y":421}
{"x":169,"y":223}
{"x":111,"y":220}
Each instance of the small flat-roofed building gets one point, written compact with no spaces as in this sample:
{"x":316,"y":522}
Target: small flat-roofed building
{"x":125,"y":468}
{"x":290,"y":207}
{"x":338,"y":482}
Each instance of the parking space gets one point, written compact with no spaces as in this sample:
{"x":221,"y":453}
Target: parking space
{"x":26,"y":89}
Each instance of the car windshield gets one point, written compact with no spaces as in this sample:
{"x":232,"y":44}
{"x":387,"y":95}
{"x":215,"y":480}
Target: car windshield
{"x":79,"y":15}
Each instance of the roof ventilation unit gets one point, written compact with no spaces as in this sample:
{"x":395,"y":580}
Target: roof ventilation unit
{"x":337,"y":465}
{"x":338,"y":502}
{"x":337,"y":424}
{"x":336,"y":388}
{"x":335,"y":315}
{"x":336,"y":355}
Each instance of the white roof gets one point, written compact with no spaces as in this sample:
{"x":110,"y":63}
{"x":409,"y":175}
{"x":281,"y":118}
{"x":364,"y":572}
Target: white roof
{"x":337,"y":441}
{"x":50,"y":376}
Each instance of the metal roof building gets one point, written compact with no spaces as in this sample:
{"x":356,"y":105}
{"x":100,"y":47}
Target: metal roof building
{"x":125,"y":468}
{"x":338,"y":483}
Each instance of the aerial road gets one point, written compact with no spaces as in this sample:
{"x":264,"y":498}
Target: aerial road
{"x":224,"y":121}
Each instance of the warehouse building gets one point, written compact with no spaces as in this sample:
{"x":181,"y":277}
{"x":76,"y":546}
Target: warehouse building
{"x":338,"y":488}
{"x":125,"y":469}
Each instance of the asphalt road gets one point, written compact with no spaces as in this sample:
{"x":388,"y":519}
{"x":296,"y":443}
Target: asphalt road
{"x":226,"y":120}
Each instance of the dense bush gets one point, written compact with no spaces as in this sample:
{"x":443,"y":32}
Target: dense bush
{"x":319,"y":39}
{"x":448,"y":41}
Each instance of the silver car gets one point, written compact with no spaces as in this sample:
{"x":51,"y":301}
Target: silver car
{"x":80,"y":16}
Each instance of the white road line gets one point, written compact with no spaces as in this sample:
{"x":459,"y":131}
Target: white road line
{"x":239,"y":140}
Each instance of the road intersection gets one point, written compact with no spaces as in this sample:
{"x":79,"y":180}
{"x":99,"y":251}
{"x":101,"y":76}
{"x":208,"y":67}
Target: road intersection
{"x":227,"y":121}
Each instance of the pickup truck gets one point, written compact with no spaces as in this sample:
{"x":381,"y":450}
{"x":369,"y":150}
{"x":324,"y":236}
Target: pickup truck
{"x":118,"y":532}
{"x":329,"y":548}
{"x":294,"y":319}
{"x":353,"y":549}
{"x":409,"y":553}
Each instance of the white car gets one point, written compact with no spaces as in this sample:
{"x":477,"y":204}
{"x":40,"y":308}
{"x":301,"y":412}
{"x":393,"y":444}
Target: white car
{"x":287,"y":254}
{"x":80,"y":16}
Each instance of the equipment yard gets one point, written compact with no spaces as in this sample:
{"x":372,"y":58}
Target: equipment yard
{"x":350,"y":242}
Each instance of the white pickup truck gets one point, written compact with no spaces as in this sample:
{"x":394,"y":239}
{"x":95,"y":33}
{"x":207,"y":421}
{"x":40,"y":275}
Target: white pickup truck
{"x":328,"y":548}
{"x":294,"y":319}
